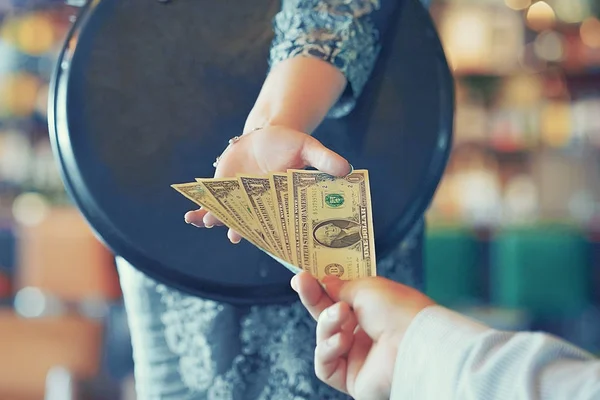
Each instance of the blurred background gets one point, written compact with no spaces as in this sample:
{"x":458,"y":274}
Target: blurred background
{"x":514,"y":229}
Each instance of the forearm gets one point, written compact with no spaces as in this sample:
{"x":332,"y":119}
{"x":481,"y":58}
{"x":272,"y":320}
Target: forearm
{"x":321,"y":57}
{"x":446,"y":356}
{"x":298,"y":93}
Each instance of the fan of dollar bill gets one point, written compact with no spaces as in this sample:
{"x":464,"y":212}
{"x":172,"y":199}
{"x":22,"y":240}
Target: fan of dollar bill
{"x":306,"y":220}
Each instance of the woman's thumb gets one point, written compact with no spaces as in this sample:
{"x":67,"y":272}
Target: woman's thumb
{"x":320,"y":157}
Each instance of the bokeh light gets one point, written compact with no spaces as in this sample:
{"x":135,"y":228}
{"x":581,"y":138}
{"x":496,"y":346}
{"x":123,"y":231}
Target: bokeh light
{"x":521,"y":198}
{"x":522,"y":90}
{"x":570,"y":11}
{"x":556,"y":123}
{"x":549,"y":46}
{"x":32,"y":34}
{"x":30,"y":302}
{"x":517,"y":4}
{"x":590,"y":32}
{"x":15,"y":153}
{"x":464,"y":46}
{"x":30,"y":209}
{"x":540,"y":16}
{"x":19,"y":94}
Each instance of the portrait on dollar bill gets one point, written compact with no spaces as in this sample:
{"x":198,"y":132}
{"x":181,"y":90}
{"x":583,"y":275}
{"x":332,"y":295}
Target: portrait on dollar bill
{"x":337,"y":233}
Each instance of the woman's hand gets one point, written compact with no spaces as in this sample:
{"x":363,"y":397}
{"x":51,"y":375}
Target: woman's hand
{"x":360,"y":326}
{"x":271,"y":149}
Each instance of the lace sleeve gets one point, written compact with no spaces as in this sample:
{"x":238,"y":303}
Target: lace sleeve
{"x":340,"y":32}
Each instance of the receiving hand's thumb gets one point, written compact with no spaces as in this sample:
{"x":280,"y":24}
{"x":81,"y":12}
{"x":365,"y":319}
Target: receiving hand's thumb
{"x":380,"y":304}
{"x":349,"y":291}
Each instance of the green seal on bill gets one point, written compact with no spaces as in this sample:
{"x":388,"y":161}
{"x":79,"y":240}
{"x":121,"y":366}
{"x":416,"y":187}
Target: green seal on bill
{"x":334,"y":200}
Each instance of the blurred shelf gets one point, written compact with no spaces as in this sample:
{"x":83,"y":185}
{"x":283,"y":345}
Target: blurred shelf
{"x":509,"y":148}
{"x":592,"y":73}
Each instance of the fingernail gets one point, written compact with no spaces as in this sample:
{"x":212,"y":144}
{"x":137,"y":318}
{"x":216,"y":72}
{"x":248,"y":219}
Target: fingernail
{"x":208,"y":226}
{"x":193,"y":224}
{"x":351,"y":169}
{"x":235,"y":241}
{"x":333,"y":341}
{"x":294,"y":283}
{"x":329,"y":279}
{"x":332,"y":312}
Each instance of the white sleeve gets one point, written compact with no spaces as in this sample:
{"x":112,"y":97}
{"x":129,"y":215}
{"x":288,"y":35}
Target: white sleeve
{"x":445,"y":355}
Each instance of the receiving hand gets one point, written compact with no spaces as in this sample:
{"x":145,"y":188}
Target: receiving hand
{"x":272,"y":149}
{"x":360,"y":326}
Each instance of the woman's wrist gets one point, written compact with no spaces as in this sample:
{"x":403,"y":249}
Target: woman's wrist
{"x":259,"y":119}
{"x":297,"y":94}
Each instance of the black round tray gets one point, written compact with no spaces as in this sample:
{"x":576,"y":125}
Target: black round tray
{"x":147,"y":93}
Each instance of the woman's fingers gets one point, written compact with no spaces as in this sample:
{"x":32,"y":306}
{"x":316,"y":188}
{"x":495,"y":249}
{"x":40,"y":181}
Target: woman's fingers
{"x":210,"y":220}
{"x":201,"y":218}
{"x":195,"y":217}
{"x":320,"y":157}
{"x":204,"y":219}
{"x":233,"y":236}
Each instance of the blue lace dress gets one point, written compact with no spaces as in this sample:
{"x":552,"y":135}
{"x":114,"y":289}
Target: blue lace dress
{"x":187,"y":347}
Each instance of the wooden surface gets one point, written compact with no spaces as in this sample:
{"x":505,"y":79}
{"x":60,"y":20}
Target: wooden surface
{"x":29,"y":348}
{"x":61,"y":256}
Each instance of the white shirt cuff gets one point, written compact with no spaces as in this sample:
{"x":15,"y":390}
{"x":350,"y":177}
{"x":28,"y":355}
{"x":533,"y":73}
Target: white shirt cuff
{"x":432,"y":352}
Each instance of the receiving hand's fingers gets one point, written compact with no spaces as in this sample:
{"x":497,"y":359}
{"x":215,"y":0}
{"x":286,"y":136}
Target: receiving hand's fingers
{"x":330,"y":362}
{"x":311,"y":293}
{"x":333,"y":320}
{"x":195,"y":217}
{"x":233,"y":236}
{"x":320,"y":157}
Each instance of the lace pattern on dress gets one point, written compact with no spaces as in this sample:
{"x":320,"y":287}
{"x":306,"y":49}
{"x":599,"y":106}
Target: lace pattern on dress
{"x":337,"y":31}
{"x":187,"y":321}
{"x":273,"y":346}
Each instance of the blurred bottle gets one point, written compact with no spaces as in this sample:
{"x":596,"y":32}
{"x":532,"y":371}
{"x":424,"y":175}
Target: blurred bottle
{"x":586,"y":119}
{"x":521,"y":199}
{"x":559,"y":177}
{"x":478,"y":189}
{"x":7,"y":262}
{"x":556,"y":129}
{"x":15,"y":157}
{"x":514,"y":122}
{"x":471,"y":122}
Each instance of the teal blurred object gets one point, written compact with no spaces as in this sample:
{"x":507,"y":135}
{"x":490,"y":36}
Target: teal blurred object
{"x":452,"y":275}
{"x":498,"y":318}
{"x":544,"y":270}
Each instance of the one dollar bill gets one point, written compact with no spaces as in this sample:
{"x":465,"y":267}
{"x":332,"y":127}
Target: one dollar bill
{"x":305,"y":220}
{"x":258,"y":195}
{"x":331,"y":224}
{"x":199,"y":194}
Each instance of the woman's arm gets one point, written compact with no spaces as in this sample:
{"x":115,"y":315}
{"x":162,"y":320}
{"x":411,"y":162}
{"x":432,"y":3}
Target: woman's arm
{"x":298,"y":93}
{"x":322,"y":56}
